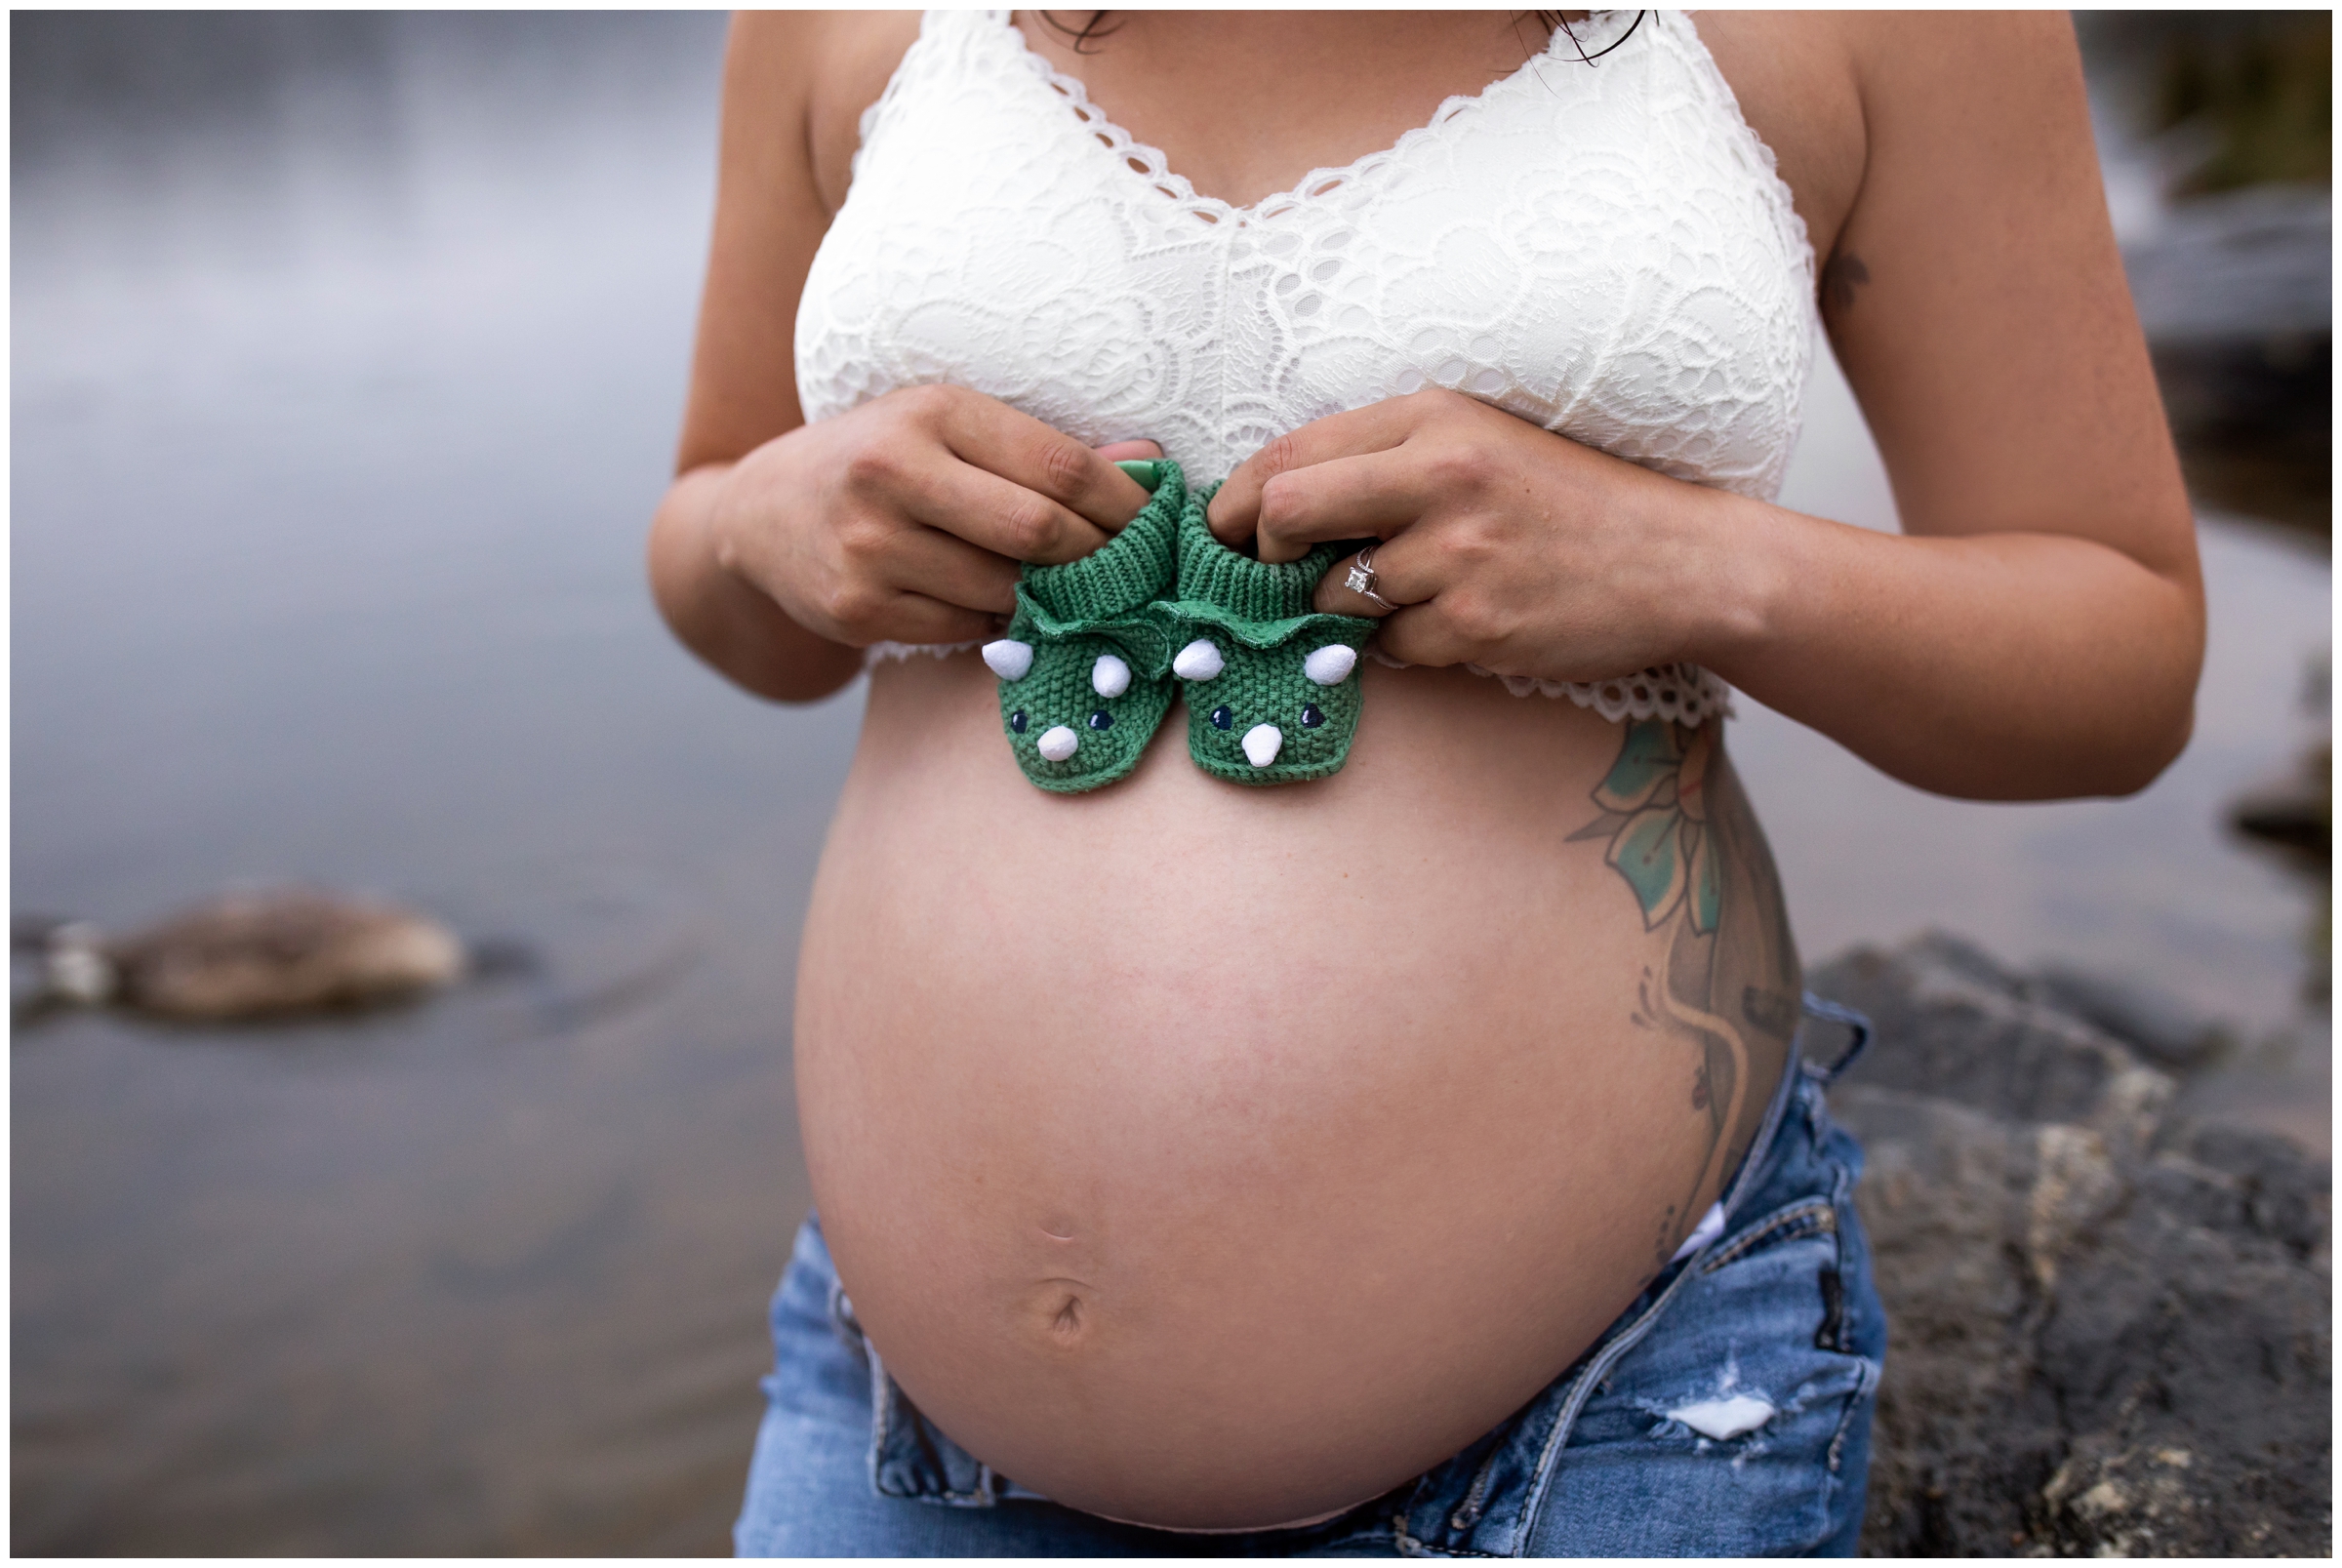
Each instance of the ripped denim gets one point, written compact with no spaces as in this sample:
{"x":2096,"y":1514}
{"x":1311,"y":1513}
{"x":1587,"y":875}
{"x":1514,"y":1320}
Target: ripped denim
{"x":1727,"y":1411}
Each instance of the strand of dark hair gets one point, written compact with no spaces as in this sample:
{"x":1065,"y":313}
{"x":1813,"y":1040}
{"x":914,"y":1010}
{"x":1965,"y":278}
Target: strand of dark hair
{"x":1554,"y":19}
{"x":1093,"y":32}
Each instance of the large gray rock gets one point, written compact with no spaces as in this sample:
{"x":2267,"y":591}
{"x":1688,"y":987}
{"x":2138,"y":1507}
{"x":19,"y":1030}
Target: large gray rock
{"x":2109,"y":1328}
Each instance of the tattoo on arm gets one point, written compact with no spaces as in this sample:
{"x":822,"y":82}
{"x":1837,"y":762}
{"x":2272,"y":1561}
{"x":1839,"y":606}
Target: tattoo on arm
{"x":1726,"y":985}
{"x":1841,"y":275}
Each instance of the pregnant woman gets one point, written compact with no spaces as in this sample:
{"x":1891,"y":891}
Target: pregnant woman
{"x":1422,"y":1157}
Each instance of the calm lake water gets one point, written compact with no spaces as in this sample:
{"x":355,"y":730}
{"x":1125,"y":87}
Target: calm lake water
{"x":348,"y":354}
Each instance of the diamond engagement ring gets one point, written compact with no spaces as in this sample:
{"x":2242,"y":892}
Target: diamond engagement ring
{"x":1360,"y":581}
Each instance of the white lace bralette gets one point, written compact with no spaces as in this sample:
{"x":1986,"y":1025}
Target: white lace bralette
{"x":1603,"y":249}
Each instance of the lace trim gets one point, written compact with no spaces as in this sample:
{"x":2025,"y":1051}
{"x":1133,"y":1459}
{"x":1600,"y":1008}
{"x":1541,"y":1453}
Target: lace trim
{"x":1149,"y":163}
{"x":879,"y":653}
{"x":1681,"y":694}
{"x":1760,"y":152}
{"x":876,"y":108}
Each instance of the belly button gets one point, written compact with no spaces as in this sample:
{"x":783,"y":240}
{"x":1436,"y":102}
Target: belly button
{"x":1068,"y":1322}
{"x":1061,"y":1310}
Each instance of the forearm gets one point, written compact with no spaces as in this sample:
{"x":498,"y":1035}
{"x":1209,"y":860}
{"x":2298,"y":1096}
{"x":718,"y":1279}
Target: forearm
{"x":1995,"y":666}
{"x":735,"y":628}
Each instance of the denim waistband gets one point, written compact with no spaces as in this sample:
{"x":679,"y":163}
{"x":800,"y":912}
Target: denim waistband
{"x":1798,"y":1065}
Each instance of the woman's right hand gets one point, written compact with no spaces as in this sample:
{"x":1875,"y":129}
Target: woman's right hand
{"x":783,"y":547}
{"x":909,"y":518}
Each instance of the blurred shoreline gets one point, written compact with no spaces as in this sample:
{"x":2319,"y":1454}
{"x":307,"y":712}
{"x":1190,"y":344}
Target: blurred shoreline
{"x":2215,"y":132}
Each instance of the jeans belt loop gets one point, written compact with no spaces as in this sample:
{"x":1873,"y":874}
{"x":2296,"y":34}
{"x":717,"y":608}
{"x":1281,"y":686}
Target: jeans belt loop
{"x":1858,"y":1026}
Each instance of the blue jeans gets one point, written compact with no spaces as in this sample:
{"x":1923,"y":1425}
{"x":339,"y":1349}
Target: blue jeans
{"x":1727,"y":1411}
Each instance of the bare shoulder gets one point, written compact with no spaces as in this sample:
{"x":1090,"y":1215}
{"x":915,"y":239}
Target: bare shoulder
{"x":804,"y":77}
{"x":1975,"y":297}
{"x":854,"y":53}
{"x":1848,"y":99}
{"x":796,"y":83}
{"x":1970,"y":102}
{"x":1923,"y":62}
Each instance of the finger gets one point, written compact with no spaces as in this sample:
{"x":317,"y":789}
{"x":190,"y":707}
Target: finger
{"x":952,"y":570}
{"x":1377,"y":496}
{"x":1405,"y":573}
{"x":1378,"y":427}
{"x":1002,"y":516}
{"x":1016,"y":446}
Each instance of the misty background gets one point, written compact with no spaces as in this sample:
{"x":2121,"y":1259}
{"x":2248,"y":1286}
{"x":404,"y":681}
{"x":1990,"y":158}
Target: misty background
{"x":349,"y":356}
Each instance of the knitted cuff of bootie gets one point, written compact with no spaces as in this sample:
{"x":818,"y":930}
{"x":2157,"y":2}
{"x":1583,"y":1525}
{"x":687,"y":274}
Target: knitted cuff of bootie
{"x":1084,"y":667}
{"x":1272,"y":685}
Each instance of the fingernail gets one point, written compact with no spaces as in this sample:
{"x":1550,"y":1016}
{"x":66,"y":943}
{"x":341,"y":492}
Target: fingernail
{"x":1146,"y":471}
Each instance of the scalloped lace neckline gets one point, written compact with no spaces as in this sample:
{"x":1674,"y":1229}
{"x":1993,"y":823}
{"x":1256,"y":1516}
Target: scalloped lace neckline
{"x":1315,"y":185}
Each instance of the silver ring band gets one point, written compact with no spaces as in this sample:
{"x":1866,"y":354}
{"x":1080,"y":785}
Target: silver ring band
{"x":1361,"y":579}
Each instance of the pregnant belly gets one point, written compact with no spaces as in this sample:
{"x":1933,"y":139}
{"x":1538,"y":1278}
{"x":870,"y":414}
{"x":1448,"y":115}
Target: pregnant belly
{"x":1215,"y":1157}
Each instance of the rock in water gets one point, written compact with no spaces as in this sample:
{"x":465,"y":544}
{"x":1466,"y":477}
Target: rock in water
{"x":2109,"y":1327}
{"x":267,"y":954}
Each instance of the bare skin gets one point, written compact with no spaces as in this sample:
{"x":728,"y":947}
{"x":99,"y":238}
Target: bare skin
{"x":1165,"y":1136}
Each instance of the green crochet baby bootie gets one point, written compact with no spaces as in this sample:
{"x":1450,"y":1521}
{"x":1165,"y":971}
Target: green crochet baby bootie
{"x":1083,"y":668}
{"x":1272,"y":685}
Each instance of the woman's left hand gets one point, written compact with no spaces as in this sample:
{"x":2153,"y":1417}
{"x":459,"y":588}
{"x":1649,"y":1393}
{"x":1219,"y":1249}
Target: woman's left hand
{"x":1507,"y":547}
